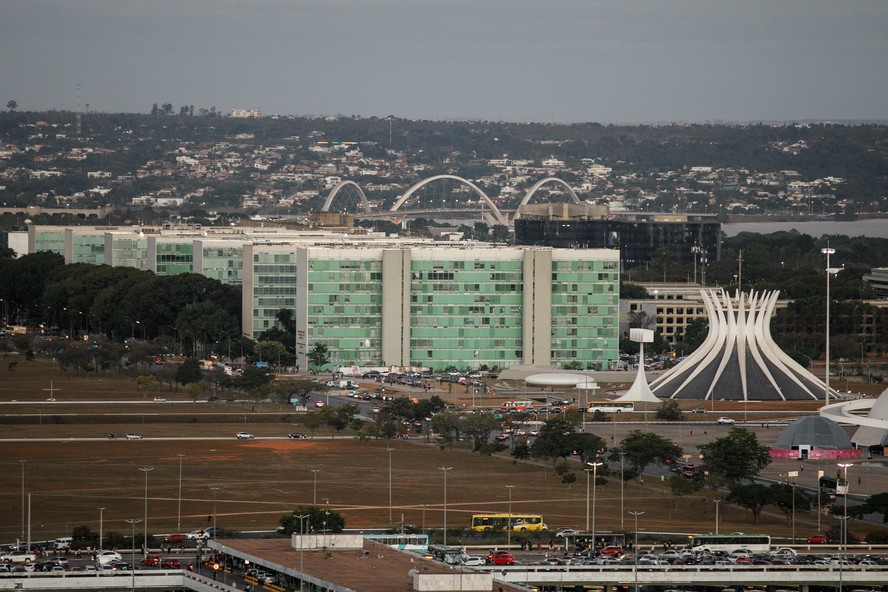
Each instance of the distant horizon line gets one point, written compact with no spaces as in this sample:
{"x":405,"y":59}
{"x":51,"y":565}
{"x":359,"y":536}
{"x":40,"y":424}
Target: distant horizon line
{"x":657,"y":123}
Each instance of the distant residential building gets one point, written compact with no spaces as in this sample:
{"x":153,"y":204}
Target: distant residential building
{"x":244,"y":113}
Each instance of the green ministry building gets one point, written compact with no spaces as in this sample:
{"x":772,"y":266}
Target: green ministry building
{"x":401,"y":304}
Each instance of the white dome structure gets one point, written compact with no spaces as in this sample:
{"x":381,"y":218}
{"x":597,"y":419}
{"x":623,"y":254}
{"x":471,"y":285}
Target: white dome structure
{"x":739,"y":359}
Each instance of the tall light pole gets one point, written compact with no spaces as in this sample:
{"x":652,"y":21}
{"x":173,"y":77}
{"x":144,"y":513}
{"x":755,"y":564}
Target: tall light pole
{"x":179,"y":513}
{"x":390,"y":483}
{"x":819,"y":505}
{"x":622,"y":483}
{"x":827,"y":251}
{"x":302,"y":545}
{"x":146,"y":470}
{"x":23,"y":498}
{"x":509,"y":519}
{"x":133,"y":522}
{"x":635,"y":554}
{"x":717,"y":502}
{"x":214,"y":489}
{"x":314,"y":495}
{"x":101,"y":525}
{"x":445,"y":469}
{"x":845,"y":466}
{"x":793,"y":475}
{"x":594,"y":466}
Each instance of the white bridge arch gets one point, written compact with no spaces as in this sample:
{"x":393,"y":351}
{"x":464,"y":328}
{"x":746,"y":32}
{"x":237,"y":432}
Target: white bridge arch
{"x":364,"y":203}
{"x":532,"y":191}
{"x":498,"y":216}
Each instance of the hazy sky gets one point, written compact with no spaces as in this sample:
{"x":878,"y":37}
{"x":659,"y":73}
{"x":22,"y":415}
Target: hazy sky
{"x":621,"y":61}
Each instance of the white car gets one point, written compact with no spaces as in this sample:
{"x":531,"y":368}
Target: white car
{"x":473,"y":561}
{"x":159,"y":400}
{"x":134,"y":436}
{"x":244,"y":436}
{"x":725,"y":421}
{"x":196,"y":534}
{"x":18,"y":556}
{"x":103,"y":558}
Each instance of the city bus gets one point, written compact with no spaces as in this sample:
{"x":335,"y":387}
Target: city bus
{"x":833,"y":486}
{"x":755,"y":543}
{"x":518,"y":522}
{"x":610,"y":406}
{"x":418,"y":543}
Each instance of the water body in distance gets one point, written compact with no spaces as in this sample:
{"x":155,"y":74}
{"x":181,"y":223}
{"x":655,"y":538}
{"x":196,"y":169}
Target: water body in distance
{"x":873,"y":227}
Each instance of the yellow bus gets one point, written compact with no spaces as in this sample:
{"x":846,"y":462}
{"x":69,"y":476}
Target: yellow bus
{"x":518,"y":522}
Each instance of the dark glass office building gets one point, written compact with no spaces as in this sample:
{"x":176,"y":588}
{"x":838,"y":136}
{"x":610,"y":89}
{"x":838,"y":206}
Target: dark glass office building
{"x":637,"y":235}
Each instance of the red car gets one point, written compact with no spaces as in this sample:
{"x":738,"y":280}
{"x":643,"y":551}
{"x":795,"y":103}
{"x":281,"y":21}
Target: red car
{"x":500,"y":558}
{"x":817,"y":539}
{"x":612,"y":550}
{"x":174,"y":538}
{"x":170,"y":563}
{"x":151,"y":561}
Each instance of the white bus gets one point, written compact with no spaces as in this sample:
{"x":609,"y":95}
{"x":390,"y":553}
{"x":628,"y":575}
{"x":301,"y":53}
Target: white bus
{"x":610,"y":406}
{"x":754,"y":543}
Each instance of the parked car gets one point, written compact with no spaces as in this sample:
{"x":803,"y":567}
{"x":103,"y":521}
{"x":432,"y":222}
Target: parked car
{"x":244,"y":436}
{"x":134,"y":436}
{"x":612,"y":550}
{"x":296,"y":436}
{"x":725,"y":421}
{"x":372,"y":374}
{"x":500,"y":558}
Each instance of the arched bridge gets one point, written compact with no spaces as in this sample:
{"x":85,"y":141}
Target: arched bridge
{"x":495,"y":215}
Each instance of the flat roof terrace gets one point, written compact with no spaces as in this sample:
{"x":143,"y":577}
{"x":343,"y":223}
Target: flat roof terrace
{"x":372,"y":567}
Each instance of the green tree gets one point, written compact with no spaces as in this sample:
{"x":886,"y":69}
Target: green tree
{"x":446,"y":425}
{"x":641,"y":449}
{"x":633,"y":292}
{"x":782,"y":496}
{"x":874,"y":504}
{"x":754,"y":497}
{"x":735,"y":457}
{"x":315,"y":519}
{"x":669,"y":411}
{"x":319,"y":356}
{"x":12,"y":105}
{"x":189,"y":371}
{"x":479,"y":427}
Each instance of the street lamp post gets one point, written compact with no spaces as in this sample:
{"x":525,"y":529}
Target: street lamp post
{"x":133,"y":522}
{"x":445,"y":469}
{"x":717,"y":502}
{"x":827,"y":251}
{"x":101,"y":525}
{"x":622,"y":483}
{"x":314,"y":495}
{"x":845,"y":466}
{"x":390,"y":483}
{"x":635,"y":554}
{"x":594,"y":466}
{"x":302,"y":545}
{"x":179,"y":512}
{"x":509,"y":519}
{"x":214,"y":489}
{"x":146,"y":470}
{"x":23,"y":498}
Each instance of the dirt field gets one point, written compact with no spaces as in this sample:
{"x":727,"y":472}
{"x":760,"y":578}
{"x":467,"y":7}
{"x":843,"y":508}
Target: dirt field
{"x":258,"y":480}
